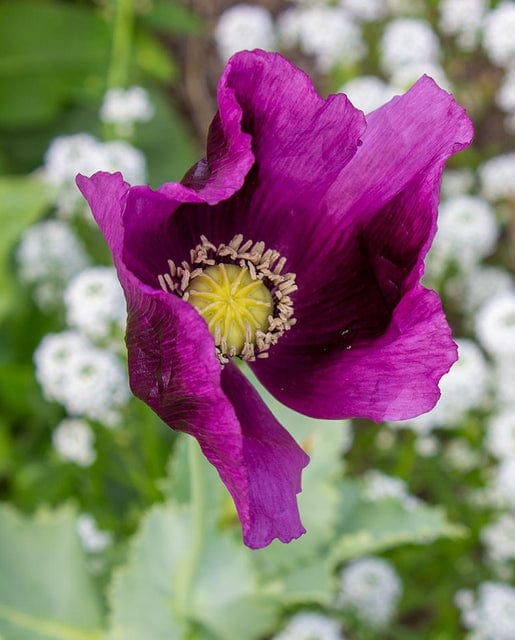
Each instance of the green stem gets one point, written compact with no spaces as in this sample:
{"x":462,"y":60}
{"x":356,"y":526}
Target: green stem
{"x":121,"y":51}
{"x":198,"y":508}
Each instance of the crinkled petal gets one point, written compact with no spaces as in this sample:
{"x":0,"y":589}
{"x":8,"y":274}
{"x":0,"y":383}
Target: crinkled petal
{"x":350,"y":302}
{"x":406,"y":135}
{"x":274,"y":462}
{"x":106,"y":193}
{"x":228,"y":159}
{"x":394,"y":378}
{"x":173,"y":372}
{"x":173,"y":369}
{"x":301,"y":143}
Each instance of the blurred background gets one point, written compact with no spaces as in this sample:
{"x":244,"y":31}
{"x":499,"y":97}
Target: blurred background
{"x":411,"y":526}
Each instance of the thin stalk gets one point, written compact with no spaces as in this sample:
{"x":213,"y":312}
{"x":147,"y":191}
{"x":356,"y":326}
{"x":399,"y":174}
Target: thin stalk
{"x":122,"y":37}
{"x":198,"y":509}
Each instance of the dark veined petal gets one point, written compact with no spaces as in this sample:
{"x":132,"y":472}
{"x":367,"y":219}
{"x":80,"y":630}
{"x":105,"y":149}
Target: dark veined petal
{"x":351,"y":304}
{"x":392,"y":378}
{"x":274,"y":462}
{"x":229,"y":155}
{"x":172,"y":367}
{"x":301,"y":143}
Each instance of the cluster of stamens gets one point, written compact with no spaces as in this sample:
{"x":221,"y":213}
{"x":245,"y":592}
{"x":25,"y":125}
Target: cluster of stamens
{"x":240,"y":291}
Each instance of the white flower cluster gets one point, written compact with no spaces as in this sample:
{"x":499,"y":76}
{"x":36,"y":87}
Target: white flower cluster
{"x":500,"y":435}
{"x":495,"y":329}
{"x":463,"y":19}
{"x":329,"y":34}
{"x":457,"y":182}
{"x":491,"y":614}
{"x":366,"y":10}
{"x":86,"y":380}
{"x":95,"y":304}
{"x":499,"y":539}
{"x":244,"y":26}
{"x":496,"y":177}
{"x":93,"y":539}
{"x":467,"y":232}
{"x":82,"y":153}
{"x":308,"y":625}
{"x":124,"y":107}
{"x":371,"y":589}
{"x":74,"y":441}
{"x":474,"y":288}
{"x":379,"y":486}
{"x":367,"y":92}
{"x":460,"y":455}
{"x":48,"y":256}
{"x":498,"y":30}
{"x":409,"y":48}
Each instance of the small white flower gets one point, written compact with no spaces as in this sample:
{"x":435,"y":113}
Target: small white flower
{"x":495,"y":325}
{"x":503,"y":484}
{"x":86,"y":380}
{"x":464,"y":19}
{"x":498,"y":40}
{"x":52,"y":359}
{"x":371,"y":588}
{"x":69,"y":155}
{"x":49,"y":255}
{"x":74,"y":441}
{"x":492,"y":615}
{"x":367,"y":92}
{"x":427,"y":446}
{"x":467,"y":232}
{"x":504,"y":381}
{"x":496,"y":176}
{"x":93,"y":539}
{"x":499,"y":538}
{"x":308,"y":625}
{"x":500,"y":435}
{"x":408,"y":41}
{"x":329,"y":34}
{"x":460,"y":455}
{"x":125,"y":107}
{"x":97,"y":385}
{"x":82,"y":153}
{"x":366,"y":10}
{"x":457,"y":182}
{"x":476,"y":287}
{"x":505,"y":97}
{"x":244,"y":26}
{"x":95,"y":304}
{"x":404,"y":77}
{"x":379,"y":486}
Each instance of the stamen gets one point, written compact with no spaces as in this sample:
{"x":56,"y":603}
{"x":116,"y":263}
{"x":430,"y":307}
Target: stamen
{"x":241,"y":292}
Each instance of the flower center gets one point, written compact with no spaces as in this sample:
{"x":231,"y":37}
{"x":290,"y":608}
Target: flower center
{"x":240,"y":291}
{"x":233,"y":304}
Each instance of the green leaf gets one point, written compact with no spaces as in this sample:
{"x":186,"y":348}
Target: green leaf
{"x":22,"y":201}
{"x":375,"y":526}
{"x":45,"y":590}
{"x":49,"y":52}
{"x":147,"y":598}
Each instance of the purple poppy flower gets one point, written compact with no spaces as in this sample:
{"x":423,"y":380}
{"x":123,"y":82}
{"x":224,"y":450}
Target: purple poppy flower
{"x":296,"y":244}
